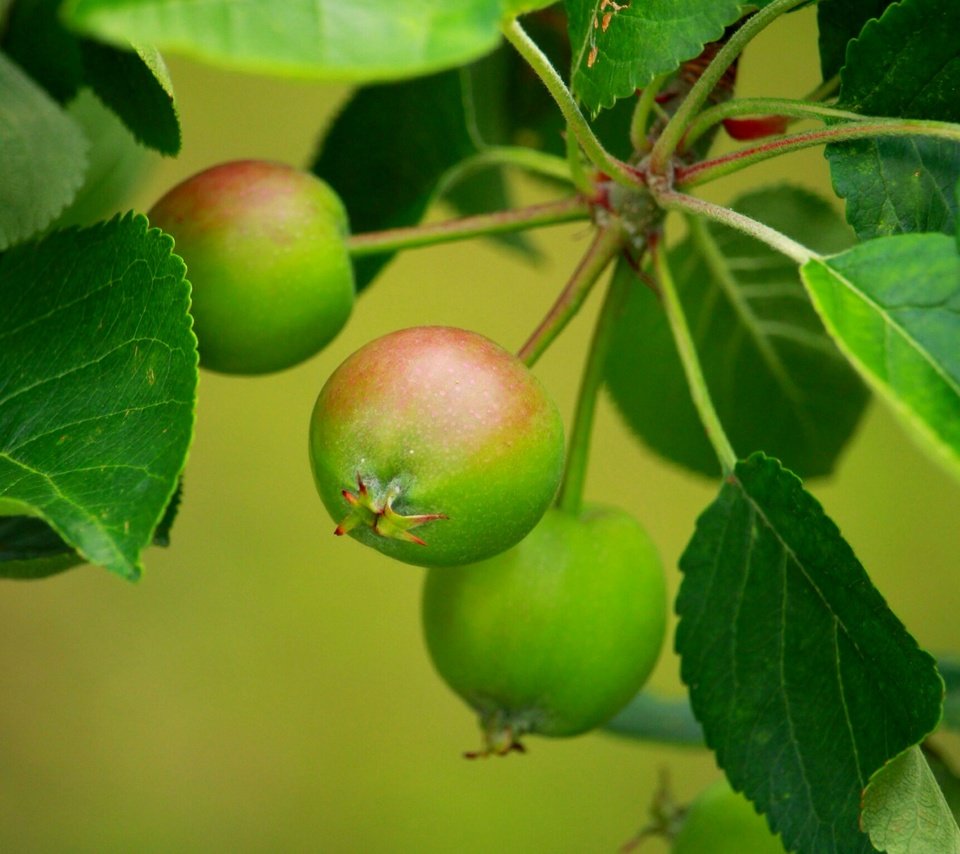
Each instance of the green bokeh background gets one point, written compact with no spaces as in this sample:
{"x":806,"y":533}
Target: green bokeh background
{"x":265,"y":687}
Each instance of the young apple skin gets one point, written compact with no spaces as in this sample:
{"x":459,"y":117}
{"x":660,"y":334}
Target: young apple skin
{"x":723,"y":821}
{"x":266,"y":254}
{"x":556,"y":635}
{"x":455,"y":431}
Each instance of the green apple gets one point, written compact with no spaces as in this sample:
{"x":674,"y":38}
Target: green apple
{"x":554,"y":636}
{"x":266,"y":254}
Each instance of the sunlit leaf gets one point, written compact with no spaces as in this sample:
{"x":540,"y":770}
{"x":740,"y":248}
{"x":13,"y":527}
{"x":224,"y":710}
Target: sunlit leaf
{"x":893,"y":306}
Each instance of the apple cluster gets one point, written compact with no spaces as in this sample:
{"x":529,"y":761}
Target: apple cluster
{"x":436,"y":447}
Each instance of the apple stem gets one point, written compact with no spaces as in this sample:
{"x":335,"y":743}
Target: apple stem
{"x":605,"y":246}
{"x":463,"y":228}
{"x":570,"y":496}
{"x":687,"y":350}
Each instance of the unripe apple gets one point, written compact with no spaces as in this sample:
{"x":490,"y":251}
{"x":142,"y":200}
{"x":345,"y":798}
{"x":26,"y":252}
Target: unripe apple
{"x":266,"y":254}
{"x":722,"y":821}
{"x":554,"y":636}
{"x":435,"y":446}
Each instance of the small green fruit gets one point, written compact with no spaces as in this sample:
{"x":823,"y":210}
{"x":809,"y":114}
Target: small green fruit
{"x":435,"y":446}
{"x":722,"y":821}
{"x":554,"y":636}
{"x":266,"y":254}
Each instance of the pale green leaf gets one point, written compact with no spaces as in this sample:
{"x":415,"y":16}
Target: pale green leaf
{"x":893,"y":306}
{"x":360,"y":40}
{"x":42,"y":156}
{"x":904,"y":810}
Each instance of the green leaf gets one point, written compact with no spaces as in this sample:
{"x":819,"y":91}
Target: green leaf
{"x":136,"y":85}
{"x":893,"y":306}
{"x":616,"y":55}
{"x":946,"y":777}
{"x":803,"y":679}
{"x":840,"y":22}
{"x":907,"y":63}
{"x":37,"y":41}
{"x":117,"y":163}
{"x":42,"y":156}
{"x":98,"y":374}
{"x":904,"y":810}
{"x":360,"y":40}
{"x":761,"y":344}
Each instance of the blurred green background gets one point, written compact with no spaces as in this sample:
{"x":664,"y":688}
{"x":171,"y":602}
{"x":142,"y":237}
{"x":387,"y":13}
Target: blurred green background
{"x":265,"y":686}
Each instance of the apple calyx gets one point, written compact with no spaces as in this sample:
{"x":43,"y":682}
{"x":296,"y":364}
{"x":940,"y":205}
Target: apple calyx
{"x":501,"y":739}
{"x":377,"y":513}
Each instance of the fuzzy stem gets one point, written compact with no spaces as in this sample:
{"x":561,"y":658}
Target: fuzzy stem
{"x":534,"y":216}
{"x":576,"y":123}
{"x":665,"y":146}
{"x":672,"y":200}
{"x":710,"y":170}
{"x":641,"y":113}
{"x":536,"y":162}
{"x":570,"y":497}
{"x":606,"y":244}
{"x":759,"y":107}
{"x":691,"y":363}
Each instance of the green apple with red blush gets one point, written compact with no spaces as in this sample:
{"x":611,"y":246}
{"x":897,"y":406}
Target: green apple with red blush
{"x":266,"y":254}
{"x":435,"y":446}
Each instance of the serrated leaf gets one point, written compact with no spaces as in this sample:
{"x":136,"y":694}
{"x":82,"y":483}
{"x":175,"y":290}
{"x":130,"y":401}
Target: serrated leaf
{"x":776,"y":379}
{"x":904,"y":811}
{"x":620,"y":47}
{"x":839,"y":22}
{"x":37,"y":41}
{"x":136,"y":85}
{"x":98,"y":374}
{"x":893,"y":306}
{"x":803,"y":679}
{"x":42,"y":156}
{"x":362,"y":40}
{"x":907,"y":63}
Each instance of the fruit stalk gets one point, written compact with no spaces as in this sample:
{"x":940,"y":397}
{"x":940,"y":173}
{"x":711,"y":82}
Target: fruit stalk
{"x":570,"y":497}
{"x":691,"y":362}
{"x":481,"y":225}
{"x":606,"y":244}
{"x":576,"y":123}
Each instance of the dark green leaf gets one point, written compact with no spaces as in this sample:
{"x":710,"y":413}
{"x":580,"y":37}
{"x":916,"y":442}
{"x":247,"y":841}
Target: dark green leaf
{"x":907,"y":63}
{"x":904,"y":811}
{"x":42,"y":156}
{"x":360,"y":40}
{"x":37,"y":41}
{"x":775,"y":377}
{"x":616,"y":55}
{"x":135,"y":84}
{"x":389,"y":149}
{"x":840,"y":21}
{"x":803,"y":679}
{"x":893,"y":305}
{"x":98,"y":373}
